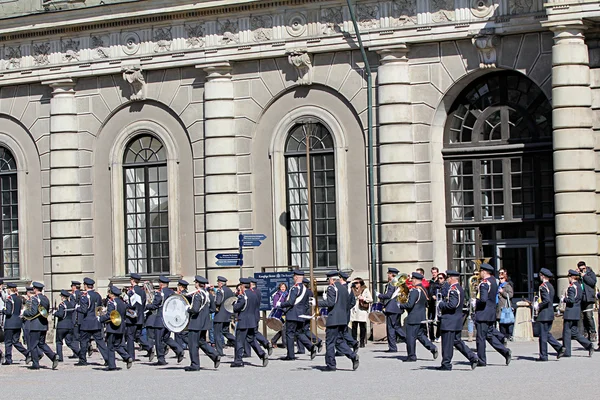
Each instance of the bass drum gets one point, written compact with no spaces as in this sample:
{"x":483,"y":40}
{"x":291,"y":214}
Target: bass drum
{"x":322,"y":318}
{"x":175,"y":313}
{"x":376,"y":315}
{"x":275,"y":320}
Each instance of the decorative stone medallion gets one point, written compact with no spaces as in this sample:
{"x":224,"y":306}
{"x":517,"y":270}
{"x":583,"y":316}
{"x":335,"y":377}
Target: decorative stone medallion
{"x":296,"y":25}
{"x":131,"y":43}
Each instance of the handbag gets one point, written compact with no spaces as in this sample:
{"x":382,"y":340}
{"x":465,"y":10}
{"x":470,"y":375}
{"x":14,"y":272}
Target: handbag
{"x":507,"y":316}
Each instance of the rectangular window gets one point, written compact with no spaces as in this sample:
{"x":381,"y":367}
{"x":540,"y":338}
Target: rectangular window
{"x":492,"y":189}
{"x":461,"y":191}
{"x":10,"y":225}
{"x":463,"y":251}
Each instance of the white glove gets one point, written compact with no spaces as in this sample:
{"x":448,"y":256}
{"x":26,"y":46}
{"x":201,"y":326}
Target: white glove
{"x":325,"y":296}
{"x":562,"y":299}
{"x":377,"y":294}
{"x":98,"y":318}
{"x":312,"y":302}
{"x":473,"y":302}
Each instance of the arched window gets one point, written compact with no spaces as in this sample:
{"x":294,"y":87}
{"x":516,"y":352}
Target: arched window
{"x":311,"y":213}
{"x":499,"y":177}
{"x":146,"y":206}
{"x":10,"y":211}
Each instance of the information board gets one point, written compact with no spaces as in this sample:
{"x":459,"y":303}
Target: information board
{"x":268,"y":282}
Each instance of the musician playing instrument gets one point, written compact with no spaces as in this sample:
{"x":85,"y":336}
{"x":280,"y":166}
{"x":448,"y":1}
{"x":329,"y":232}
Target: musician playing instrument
{"x":309,"y":305}
{"x":276,"y":299}
{"x":485,"y":316}
{"x":90,"y":326}
{"x":134,"y":320}
{"x":416,"y":306}
{"x":336,"y":299}
{"x":295,"y":306}
{"x":200,"y":309}
{"x":182,"y":337}
{"x":12,"y":323}
{"x":572,"y":314}
{"x":115,"y":328}
{"x":222,"y":318}
{"x":245,"y":307}
{"x":64,"y":327}
{"x":74,"y":298}
{"x":451,"y":323}
{"x":26,"y":322}
{"x":258,"y":335}
{"x":393,"y":326}
{"x":39,"y":327}
{"x":162,"y":336}
{"x":545,"y":317}
{"x":352,"y":342}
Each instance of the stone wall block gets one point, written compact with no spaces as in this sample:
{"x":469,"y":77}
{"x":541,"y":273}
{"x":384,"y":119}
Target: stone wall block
{"x":222,"y":240}
{"x":565,"y":139}
{"x":396,"y":153}
{"x":570,"y":54}
{"x":396,"y":173}
{"x":570,"y":75}
{"x":529,"y":52}
{"x":65,"y":211}
{"x":580,"y":244}
{"x":65,"y":229}
{"x":395,"y":133}
{"x":399,"y":252}
{"x":65,"y":194}
{"x":572,"y":117}
{"x":397,"y":193}
{"x":218,"y":89}
{"x":580,"y":223}
{"x":66,"y":247}
{"x":219,"y":109}
{"x":452,"y":60}
{"x":574,"y":159}
{"x":222,"y":221}
{"x":219,"y":127}
{"x":388,"y":74}
{"x":219,"y":146}
{"x":394,"y":94}
{"x":571,"y":96}
{"x":574,"y":181}
{"x":64,"y":159}
{"x":63,"y":123}
{"x":64,"y":176}
{"x":403,"y":212}
{"x":221,"y":202}
{"x":221,"y":184}
{"x":394,"y":114}
{"x":575,"y":202}
{"x":221,"y":165}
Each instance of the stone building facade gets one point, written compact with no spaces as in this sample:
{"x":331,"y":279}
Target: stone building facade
{"x":146,"y":135}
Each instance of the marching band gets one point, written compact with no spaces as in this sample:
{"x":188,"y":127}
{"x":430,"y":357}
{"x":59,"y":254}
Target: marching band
{"x":139,"y":314}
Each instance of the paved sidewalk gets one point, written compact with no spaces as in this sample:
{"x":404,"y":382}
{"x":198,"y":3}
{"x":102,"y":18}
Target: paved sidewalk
{"x":380,"y":374}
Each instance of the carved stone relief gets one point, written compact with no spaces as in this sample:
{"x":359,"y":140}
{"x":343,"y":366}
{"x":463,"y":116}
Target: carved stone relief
{"x":133,"y":75}
{"x":195,"y":35}
{"x":296,"y":25}
{"x":229,"y":30}
{"x":367,"y":16}
{"x":442,"y":10}
{"x":41,"y":53}
{"x":99,"y":45}
{"x":301,"y":60}
{"x":486,"y":47}
{"x":131,"y":43}
{"x":262,"y":28}
{"x":404,"y":12}
{"x":332,"y":20}
{"x":482,"y":8}
{"x":12,"y":55}
{"x":70,"y":50}
{"x":522,"y":6}
{"x":162,"y":39}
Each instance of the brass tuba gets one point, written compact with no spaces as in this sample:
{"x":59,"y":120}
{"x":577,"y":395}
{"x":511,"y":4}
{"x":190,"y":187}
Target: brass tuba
{"x":149,"y":289}
{"x":400,"y":281}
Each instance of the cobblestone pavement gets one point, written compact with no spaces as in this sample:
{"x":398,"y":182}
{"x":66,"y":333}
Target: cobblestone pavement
{"x":380,"y":374}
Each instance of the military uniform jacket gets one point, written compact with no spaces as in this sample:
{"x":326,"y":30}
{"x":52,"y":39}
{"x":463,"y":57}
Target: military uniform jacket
{"x":389,"y":300}
{"x":589,"y":286}
{"x":308,"y":311}
{"x":257,"y":297}
{"x":12,"y":313}
{"x":200,"y":312}
{"x":545,"y":306}
{"x":416,"y":306}
{"x":351,"y":300}
{"x":296,"y":303}
{"x":485,"y":307}
{"x":337,"y":305}
{"x":244,"y":307}
{"x":451,"y":309}
{"x":157,"y":304}
{"x":39,"y":323}
{"x":74,"y":299}
{"x":137,"y":302}
{"x":87,"y":311}
{"x":65,"y":318}
{"x":222,"y":315}
{"x":116,"y":304}
{"x":573,"y":302}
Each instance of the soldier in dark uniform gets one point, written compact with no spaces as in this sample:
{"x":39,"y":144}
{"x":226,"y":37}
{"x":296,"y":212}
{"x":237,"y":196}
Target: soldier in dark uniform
{"x":74,"y":298}
{"x":416,"y":307}
{"x":336,"y":300}
{"x":572,"y":315}
{"x":90,"y":326}
{"x":545,"y":317}
{"x":588,"y":300}
{"x":294,"y":306}
{"x":245,"y":308}
{"x":451,"y":323}
{"x":222,"y":318}
{"x":12,"y":324}
{"x":39,"y":327}
{"x":162,"y":334}
{"x":182,"y":337}
{"x":268,"y":346}
{"x":27,"y":323}
{"x":199,"y":310}
{"x":115,"y":334}
{"x":392,"y":313}
{"x":308,"y":332}
{"x":136,"y":301}
{"x":64,"y":327}
{"x":351,"y":303}
{"x":485,"y":316}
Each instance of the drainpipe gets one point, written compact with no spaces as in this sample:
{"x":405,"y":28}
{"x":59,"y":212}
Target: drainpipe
{"x":370,"y":152}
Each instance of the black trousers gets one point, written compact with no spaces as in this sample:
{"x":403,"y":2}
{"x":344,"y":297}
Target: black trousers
{"x":39,"y":346}
{"x":571,"y":331}
{"x":182,"y":339}
{"x":487,"y":332}
{"x":281,"y":334}
{"x":220,"y":330}
{"x":27,"y":338}
{"x":414,"y":333}
{"x":259,"y":338}
{"x":11,"y":338}
{"x":547,"y":338}
{"x":589,"y":325}
{"x":86,"y":336}
{"x":243,"y":336}
{"x":163,"y":339}
{"x":197,"y":340}
{"x":295,"y":330}
{"x":65,"y":335}
{"x":116,"y":343}
{"x":363,"y":331}
{"x":134,"y":334}
{"x":394,"y":330}
{"x":334,"y":340}
{"x":451,"y":340}
{"x":433,"y":330}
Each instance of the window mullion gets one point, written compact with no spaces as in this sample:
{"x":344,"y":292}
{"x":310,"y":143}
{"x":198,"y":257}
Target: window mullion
{"x":477,"y":189}
{"x":147,"y":217}
{"x":507,"y":184}
{"x":2,"y":225}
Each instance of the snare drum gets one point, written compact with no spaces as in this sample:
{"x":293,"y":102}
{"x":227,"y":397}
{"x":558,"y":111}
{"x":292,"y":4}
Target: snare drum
{"x":275,"y":320}
{"x":322,"y":319}
{"x":376,"y":315}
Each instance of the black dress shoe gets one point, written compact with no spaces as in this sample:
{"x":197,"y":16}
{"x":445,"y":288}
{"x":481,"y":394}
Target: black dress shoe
{"x":561,"y":352}
{"x":265,"y":360}
{"x":55,"y":362}
{"x":320,"y":346}
{"x":81,"y":364}
{"x":217,"y":362}
{"x":190,"y":369}
{"x":129,"y":363}
{"x":73,"y":357}
{"x":480,"y":364}
{"x":313,"y":352}
{"x":151,"y":355}
{"x":591,"y":350}
{"x":236,"y":365}
{"x":355,"y":347}
{"x":270,"y":348}
{"x":508,"y":357}
{"x":7,"y":363}
{"x":180,"y":357}
{"x":435,"y":354}
{"x":111,"y":369}
{"x":34,"y":368}
{"x":474,"y":364}
{"x":329,"y":369}
{"x":355,"y":363}
{"x":444,"y":368}
{"x":410,"y":360}
{"x":391,"y":351}
{"x":299,"y":352}
{"x":159,"y":363}
{"x":539,"y":359}
{"x":288,"y":358}
{"x":27,"y":359}
{"x":105,"y":364}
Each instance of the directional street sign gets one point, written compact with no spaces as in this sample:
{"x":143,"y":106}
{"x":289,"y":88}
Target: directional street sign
{"x":253,"y":236}
{"x":229,"y":256}
{"x":250,"y":243}
{"x":227,"y":263}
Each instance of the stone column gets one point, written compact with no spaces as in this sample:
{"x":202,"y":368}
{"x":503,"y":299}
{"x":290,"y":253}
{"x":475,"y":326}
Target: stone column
{"x":65,"y":210}
{"x":221,"y":198}
{"x":573,"y":141}
{"x":397,"y":200}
